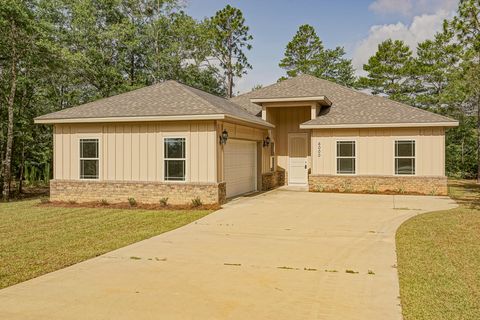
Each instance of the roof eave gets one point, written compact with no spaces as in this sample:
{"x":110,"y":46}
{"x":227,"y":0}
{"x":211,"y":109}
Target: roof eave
{"x":447,"y":124}
{"x":260,"y":124}
{"x":322,"y":99}
{"x":151,"y":118}
{"x":129,"y":119}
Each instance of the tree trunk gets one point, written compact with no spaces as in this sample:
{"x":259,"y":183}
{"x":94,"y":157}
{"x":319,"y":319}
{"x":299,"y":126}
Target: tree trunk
{"x":478,"y":139}
{"x":7,"y":168}
{"x":22,"y":170}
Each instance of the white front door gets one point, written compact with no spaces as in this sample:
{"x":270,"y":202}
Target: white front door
{"x":297,"y":159}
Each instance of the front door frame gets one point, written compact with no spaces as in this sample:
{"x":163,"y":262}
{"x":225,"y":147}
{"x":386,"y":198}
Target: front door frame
{"x":298,"y":134}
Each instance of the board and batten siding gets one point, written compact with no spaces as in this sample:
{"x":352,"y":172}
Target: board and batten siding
{"x":287,"y":120}
{"x":375,"y":150}
{"x":134,"y":151}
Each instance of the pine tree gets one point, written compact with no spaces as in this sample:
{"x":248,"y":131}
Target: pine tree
{"x":305,"y":54}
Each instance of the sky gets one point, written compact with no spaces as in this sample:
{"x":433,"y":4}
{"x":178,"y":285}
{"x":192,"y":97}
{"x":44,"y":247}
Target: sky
{"x":357,"y":25}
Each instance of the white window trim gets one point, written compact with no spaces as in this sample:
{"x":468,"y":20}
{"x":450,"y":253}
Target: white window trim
{"x":98,"y":158}
{"x":395,"y":157}
{"x":356,"y":156}
{"x":166,"y":159}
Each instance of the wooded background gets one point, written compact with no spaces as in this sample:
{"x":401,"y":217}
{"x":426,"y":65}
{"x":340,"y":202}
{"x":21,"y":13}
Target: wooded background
{"x":56,"y":54}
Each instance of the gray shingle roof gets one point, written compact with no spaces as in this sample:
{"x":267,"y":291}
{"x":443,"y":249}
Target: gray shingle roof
{"x":348,"y":106}
{"x":169,"y":98}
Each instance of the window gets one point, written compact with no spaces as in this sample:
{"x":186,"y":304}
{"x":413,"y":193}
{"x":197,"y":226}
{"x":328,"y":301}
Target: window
{"x":174,"y":159}
{"x":89,"y":159}
{"x":345,"y":157}
{"x":405,"y":157}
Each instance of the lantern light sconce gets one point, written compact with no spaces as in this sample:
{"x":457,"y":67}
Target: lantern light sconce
{"x":224,"y":137}
{"x":266,"y":142}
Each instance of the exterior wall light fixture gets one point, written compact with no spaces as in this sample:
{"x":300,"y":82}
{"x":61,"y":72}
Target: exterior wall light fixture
{"x":224,"y":137}
{"x":266,"y":142}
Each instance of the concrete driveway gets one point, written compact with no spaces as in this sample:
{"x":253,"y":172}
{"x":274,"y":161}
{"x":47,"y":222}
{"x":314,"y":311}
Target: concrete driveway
{"x":279,"y":255}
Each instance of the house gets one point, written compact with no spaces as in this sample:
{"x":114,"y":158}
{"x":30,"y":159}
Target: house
{"x":172,"y":141}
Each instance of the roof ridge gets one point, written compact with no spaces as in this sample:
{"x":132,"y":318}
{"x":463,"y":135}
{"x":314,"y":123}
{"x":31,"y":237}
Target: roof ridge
{"x":186,"y":89}
{"x":262,"y":88}
{"x":186,"y":86}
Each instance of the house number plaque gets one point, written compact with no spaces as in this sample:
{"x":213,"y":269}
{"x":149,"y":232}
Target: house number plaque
{"x":319,"y":149}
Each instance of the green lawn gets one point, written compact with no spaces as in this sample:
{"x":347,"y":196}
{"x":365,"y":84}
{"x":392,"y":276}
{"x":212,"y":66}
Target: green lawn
{"x":439,"y":260}
{"x":36,"y":239}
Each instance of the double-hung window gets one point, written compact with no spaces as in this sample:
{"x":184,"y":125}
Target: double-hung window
{"x":346,"y":157}
{"x":174,"y":159}
{"x":89,"y":161}
{"x":405,"y":157}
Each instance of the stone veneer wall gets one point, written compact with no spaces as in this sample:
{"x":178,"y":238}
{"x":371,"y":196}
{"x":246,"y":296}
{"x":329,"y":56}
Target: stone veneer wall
{"x":379,"y":184}
{"x":271,"y":180}
{"x":143,"y":192}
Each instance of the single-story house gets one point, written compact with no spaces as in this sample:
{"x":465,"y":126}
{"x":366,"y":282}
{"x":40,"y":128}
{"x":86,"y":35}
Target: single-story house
{"x":172,"y":141}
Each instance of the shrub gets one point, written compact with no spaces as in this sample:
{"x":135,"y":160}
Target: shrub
{"x":164,"y":202}
{"x":196,"y":202}
{"x":347,"y":186}
{"x":373,"y":187}
{"x":132,"y":202}
{"x":104,"y":202}
{"x":45,"y":200}
{"x":318,"y":188}
{"x":72,"y":202}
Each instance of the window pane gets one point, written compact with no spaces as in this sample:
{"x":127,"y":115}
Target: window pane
{"x":175,"y":170}
{"x":174,"y":148}
{"x":88,"y":148}
{"x":88,"y":169}
{"x":405,"y":148}
{"x":405,"y":166}
{"x":346,"y":165}
{"x":345,"y":148}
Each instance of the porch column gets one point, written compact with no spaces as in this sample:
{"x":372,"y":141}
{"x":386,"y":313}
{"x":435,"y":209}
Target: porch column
{"x":313,"y":111}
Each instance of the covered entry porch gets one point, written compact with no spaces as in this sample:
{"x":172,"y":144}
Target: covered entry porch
{"x":290,"y":149}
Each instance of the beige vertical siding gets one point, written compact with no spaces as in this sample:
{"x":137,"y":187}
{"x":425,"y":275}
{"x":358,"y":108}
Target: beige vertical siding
{"x":375,"y":150}
{"x":134,"y":152}
{"x":287,"y":120}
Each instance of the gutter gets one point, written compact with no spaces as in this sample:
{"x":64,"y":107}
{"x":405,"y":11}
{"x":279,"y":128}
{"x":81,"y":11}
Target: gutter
{"x":448,"y":124}
{"x":153,"y":118}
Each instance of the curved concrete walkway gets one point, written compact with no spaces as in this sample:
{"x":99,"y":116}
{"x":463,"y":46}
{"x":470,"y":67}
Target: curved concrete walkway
{"x":279,"y":255}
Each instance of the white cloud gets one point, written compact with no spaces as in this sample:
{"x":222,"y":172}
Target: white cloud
{"x":410,"y":8}
{"x":423,"y":27}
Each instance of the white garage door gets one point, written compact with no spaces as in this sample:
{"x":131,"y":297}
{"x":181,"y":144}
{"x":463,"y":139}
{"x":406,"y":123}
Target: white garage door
{"x":240,"y":158}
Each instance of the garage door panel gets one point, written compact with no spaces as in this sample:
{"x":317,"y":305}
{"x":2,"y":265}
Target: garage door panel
{"x":240,"y":166}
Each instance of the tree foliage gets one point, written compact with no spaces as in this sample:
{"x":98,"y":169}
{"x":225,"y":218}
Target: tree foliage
{"x":230,"y":37}
{"x":55,"y":54}
{"x":305,"y":54}
{"x":388,"y":70}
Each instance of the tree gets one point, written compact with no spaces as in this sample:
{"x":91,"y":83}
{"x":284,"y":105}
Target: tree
{"x":15,"y":20}
{"x":389,"y":70}
{"x":467,"y":28}
{"x":434,"y":68}
{"x":229,"y":37}
{"x":305,"y":54}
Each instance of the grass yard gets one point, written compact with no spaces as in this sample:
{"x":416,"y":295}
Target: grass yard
{"x":35,"y":240}
{"x":439,"y":260}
